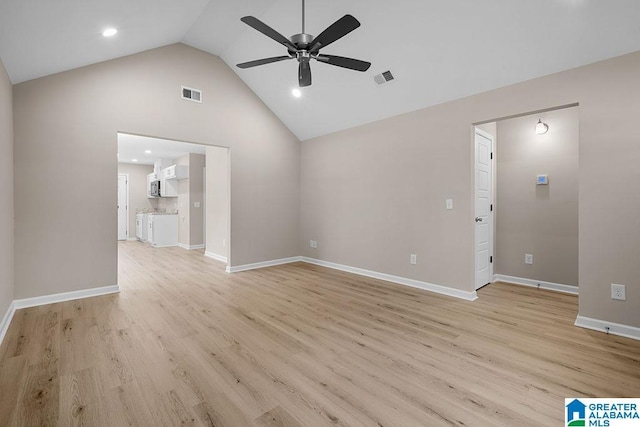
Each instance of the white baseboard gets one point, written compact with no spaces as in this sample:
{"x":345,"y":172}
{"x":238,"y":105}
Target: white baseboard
{"x":65,"y":296}
{"x":192,"y":247}
{"x":614,"y":328}
{"x":6,"y":320}
{"x":567,"y":289}
{"x":50,"y":299}
{"x":215,"y":256}
{"x":132,"y":239}
{"x":466,"y":295}
{"x":245,"y":267}
{"x":439,"y":289}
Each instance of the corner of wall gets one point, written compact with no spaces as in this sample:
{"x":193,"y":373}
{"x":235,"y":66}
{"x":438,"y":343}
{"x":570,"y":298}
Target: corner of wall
{"x":7,"y":250}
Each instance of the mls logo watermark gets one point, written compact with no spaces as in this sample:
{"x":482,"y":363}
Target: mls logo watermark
{"x":602,"y":412}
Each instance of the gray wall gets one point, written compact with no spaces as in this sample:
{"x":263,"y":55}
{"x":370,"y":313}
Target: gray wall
{"x":183,"y":201}
{"x":66,"y":127}
{"x":137,"y":191}
{"x":6,"y":193}
{"x":541,"y":220}
{"x":217,"y":223}
{"x":372,"y":195}
{"x":196,"y":195}
{"x":191,"y":191}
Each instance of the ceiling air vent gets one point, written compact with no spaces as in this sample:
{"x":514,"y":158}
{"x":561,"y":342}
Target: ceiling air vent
{"x":194,"y":95}
{"x":383,"y":78}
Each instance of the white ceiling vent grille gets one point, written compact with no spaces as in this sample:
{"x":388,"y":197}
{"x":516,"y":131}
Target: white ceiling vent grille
{"x":191,"y":94}
{"x":383,"y":78}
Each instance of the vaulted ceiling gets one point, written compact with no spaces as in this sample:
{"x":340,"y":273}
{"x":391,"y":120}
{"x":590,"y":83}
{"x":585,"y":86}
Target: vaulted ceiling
{"x":438,"y":50}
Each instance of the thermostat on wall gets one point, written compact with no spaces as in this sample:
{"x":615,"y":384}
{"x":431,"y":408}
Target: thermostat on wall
{"x":542,"y":180}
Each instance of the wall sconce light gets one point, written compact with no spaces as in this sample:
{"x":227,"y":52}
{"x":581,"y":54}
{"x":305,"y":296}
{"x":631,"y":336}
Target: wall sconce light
{"x":541,"y":128}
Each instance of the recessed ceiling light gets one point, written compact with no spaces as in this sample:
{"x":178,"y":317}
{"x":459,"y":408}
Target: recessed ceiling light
{"x":147,"y":151}
{"x":134,"y":160}
{"x":109,"y":32}
{"x":296,"y":92}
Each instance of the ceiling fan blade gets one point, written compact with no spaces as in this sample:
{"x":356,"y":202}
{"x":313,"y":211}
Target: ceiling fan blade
{"x":335,"y":31}
{"x":268,"y":31}
{"x":304,"y":74}
{"x":263,"y":61}
{"x":341,"y":61}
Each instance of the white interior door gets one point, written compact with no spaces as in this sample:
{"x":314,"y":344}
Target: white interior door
{"x":483,"y":208}
{"x":123,"y":207}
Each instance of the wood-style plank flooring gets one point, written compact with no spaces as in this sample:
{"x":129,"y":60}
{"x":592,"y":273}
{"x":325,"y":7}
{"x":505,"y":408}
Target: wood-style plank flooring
{"x":299,"y":345}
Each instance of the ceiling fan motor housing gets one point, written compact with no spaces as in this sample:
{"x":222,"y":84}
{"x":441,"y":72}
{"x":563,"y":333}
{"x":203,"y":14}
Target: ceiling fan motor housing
{"x":301,"y":41}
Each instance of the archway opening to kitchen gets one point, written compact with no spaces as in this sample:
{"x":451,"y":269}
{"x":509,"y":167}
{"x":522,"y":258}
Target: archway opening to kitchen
{"x":178,"y":199}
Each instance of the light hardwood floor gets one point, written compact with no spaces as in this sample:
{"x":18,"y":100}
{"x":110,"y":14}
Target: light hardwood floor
{"x":186,"y":343}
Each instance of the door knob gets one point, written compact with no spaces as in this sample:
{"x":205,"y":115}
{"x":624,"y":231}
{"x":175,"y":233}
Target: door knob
{"x":478,"y":219}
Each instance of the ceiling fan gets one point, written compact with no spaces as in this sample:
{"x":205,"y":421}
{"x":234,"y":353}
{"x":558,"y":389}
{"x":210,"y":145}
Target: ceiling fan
{"x":304,"y":47}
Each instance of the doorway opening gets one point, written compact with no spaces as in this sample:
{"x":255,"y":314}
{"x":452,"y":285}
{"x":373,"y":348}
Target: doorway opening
{"x":532,"y":230}
{"x":179,"y":194}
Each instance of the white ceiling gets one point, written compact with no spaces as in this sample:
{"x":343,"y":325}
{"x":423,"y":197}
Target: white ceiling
{"x":439,"y":50}
{"x":132,"y":147}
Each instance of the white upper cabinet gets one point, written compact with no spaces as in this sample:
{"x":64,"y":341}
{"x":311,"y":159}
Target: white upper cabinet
{"x":176,"y":172}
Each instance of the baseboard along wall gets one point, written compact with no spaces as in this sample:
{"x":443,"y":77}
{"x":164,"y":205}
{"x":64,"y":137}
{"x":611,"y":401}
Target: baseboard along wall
{"x":191,"y":247}
{"x":215,"y":256}
{"x":608,"y":327}
{"x":581,"y":321}
{"x":567,"y":289}
{"x":51,"y":299}
{"x":443,"y":290}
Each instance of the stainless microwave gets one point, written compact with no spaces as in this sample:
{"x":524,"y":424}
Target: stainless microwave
{"x":155,"y":188}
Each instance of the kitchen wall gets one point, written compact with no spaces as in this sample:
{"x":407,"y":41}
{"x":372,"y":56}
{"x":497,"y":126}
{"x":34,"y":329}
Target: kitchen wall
{"x":6,"y":194}
{"x":196,"y":194}
{"x":66,"y":126}
{"x":184,"y":201}
{"x":191,"y":192}
{"x":373,"y":194}
{"x":137,"y":191}
{"x":541,"y":220}
{"x":217,"y":210}
{"x":167,"y":204}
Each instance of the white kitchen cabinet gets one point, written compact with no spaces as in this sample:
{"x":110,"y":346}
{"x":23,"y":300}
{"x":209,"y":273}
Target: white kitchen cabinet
{"x":163,"y":230}
{"x":178,"y":172}
{"x":149,"y":228}
{"x":142,"y":226}
{"x":168,"y":187}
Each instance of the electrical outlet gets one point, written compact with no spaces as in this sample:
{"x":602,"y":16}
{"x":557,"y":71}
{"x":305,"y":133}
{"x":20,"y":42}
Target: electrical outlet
{"x":618,"y":292}
{"x":413,"y":259}
{"x":313,"y":243}
{"x":528,"y":258}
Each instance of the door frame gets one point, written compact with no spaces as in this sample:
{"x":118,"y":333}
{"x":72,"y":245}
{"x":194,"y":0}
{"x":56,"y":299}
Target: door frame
{"x":126,"y":176}
{"x":491,"y":219}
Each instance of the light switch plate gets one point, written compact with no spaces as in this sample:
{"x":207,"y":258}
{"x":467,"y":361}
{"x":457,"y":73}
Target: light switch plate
{"x":449,"y":204}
